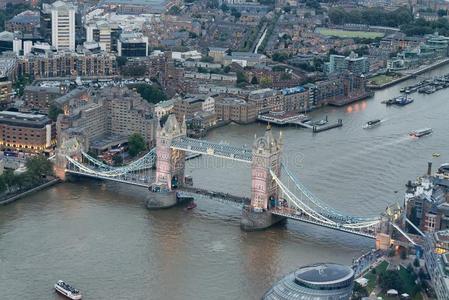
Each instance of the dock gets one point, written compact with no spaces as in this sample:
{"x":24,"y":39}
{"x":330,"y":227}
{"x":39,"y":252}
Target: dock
{"x":317,"y":129}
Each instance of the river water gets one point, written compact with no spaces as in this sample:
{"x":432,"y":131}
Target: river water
{"x":100,"y":237}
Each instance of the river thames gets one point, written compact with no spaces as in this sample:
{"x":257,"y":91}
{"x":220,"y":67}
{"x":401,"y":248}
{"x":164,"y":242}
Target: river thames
{"x":99,"y":236}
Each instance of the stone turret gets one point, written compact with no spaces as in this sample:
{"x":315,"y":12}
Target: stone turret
{"x":266,"y":157}
{"x":170,"y":163}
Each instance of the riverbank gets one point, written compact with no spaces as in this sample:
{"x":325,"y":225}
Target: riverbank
{"x":410,"y":75}
{"x":16,"y":197}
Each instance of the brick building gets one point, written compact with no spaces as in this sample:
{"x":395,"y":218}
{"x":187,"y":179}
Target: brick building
{"x":24,"y":132}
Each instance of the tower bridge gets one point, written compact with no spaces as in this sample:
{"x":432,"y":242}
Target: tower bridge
{"x":271,"y":200}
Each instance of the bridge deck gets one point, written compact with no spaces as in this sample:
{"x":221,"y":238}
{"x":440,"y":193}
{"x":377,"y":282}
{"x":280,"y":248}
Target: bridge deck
{"x":136,"y":182}
{"x":292,"y":214}
{"x":221,"y":197}
{"x":214,"y":149}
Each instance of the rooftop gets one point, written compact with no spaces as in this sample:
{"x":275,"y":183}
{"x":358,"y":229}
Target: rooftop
{"x":23,"y":119}
{"x":323,"y":273}
{"x":26,"y":17}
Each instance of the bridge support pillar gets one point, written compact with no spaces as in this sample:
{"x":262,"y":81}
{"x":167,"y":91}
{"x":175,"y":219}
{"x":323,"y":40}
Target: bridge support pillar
{"x":161,"y":200}
{"x":254,"y":221}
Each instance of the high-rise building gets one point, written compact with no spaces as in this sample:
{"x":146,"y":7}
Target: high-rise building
{"x":132,"y":44}
{"x":63,"y":25}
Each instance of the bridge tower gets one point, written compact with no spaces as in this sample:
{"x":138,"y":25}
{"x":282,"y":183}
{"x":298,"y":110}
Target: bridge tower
{"x":71,"y":146}
{"x":266,"y":156}
{"x":170,"y":164}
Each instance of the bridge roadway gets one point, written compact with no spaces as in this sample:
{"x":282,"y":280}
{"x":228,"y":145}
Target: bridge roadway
{"x":302,"y":217}
{"x":218,"y":196}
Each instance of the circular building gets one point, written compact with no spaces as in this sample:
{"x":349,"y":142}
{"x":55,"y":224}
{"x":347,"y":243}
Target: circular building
{"x":321,"y":281}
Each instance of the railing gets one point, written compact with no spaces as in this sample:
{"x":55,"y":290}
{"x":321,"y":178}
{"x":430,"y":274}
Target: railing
{"x":213,"y":149}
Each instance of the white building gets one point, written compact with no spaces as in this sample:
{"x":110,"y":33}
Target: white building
{"x":63,"y":25}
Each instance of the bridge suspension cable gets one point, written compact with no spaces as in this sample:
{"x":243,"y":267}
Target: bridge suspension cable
{"x":323,"y":208}
{"x":340,"y":221}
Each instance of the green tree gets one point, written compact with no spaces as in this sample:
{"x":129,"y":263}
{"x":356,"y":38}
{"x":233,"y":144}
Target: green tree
{"x":136,"y":144}
{"x":241,"y":78}
{"x":174,"y":10}
{"x":53,"y":112}
{"x":38,"y":166}
{"x":254,"y":80}
{"x":117,"y":159}
{"x":235,"y":13}
{"x":359,"y":292}
{"x":151,"y":93}
{"x":390,"y":280}
{"x":121,"y":61}
{"x":224,"y":7}
{"x":416,"y":262}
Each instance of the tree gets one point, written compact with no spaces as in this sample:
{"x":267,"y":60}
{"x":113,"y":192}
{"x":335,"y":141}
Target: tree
{"x":174,"y":10}
{"x":121,"y":60}
{"x":53,"y":112}
{"x":279,"y":56}
{"x":38,"y":166}
{"x":117,"y":159}
{"x":136,"y":144}
{"x":416,"y":262}
{"x":442,"y":13}
{"x":224,"y":7}
{"x":151,"y":93}
{"x":390,"y":280}
{"x":254,"y":80}
{"x":235,"y":13}
{"x":359,"y":292}
{"x":134,"y":70}
{"x":241,"y":78}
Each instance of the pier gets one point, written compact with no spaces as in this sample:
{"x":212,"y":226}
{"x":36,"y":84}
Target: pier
{"x":285,"y":119}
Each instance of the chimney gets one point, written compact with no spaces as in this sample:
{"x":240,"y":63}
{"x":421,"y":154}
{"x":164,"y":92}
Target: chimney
{"x":429,"y":168}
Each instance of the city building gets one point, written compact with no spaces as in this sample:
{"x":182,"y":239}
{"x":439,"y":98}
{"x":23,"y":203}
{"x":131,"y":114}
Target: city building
{"x":235,"y":109}
{"x":188,"y":106}
{"x":26,"y":22}
{"x":63,"y":64}
{"x":132,"y":44}
{"x":105,"y":33}
{"x":352,"y":63}
{"x":107,"y":119}
{"x":5,"y":92}
{"x":295,"y":99}
{"x":266,"y":100}
{"x":427,"y":202}
{"x":436,"y":257}
{"x":218,"y":54}
{"x":63,"y":25}
{"x":25,"y":132}
{"x":321,"y":281}
{"x":244,"y":59}
{"x":164,"y":108}
{"x":6,"y":41}
{"x":39,"y":99}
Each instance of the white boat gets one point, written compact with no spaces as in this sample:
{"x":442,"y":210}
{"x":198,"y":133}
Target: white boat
{"x":372,"y":123}
{"x":421,"y":132}
{"x":67,"y":290}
